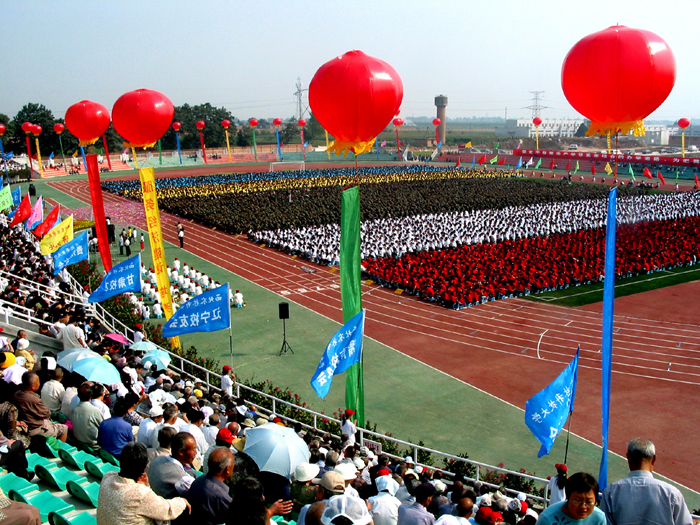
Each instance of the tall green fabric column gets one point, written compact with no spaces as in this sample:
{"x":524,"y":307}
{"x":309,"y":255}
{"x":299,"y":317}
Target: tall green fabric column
{"x":351,"y":292}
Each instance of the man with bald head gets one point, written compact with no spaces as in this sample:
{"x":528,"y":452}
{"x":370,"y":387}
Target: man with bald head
{"x":235,"y":428}
{"x":167,"y":474}
{"x":209,"y":495}
{"x":463,"y":510}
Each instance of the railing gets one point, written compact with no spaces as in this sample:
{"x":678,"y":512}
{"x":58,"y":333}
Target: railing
{"x":38,"y":287}
{"x":178,"y":363}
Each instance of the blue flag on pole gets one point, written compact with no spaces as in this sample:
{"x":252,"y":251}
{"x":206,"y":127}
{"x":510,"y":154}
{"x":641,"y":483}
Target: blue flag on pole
{"x":608,"y":312}
{"x":51,"y":156}
{"x":17,"y":196}
{"x":11,"y":214}
{"x":473,"y":160}
{"x":343,"y":351}
{"x":546,"y":411}
{"x":124,"y":277}
{"x":70,"y":253}
{"x":9,"y":155}
{"x":519,"y":164}
{"x":207,"y":312}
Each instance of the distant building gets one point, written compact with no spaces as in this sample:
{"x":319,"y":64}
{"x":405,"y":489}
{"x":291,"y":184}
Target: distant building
{"x":548,"y":128}
{"x":658,"y":135}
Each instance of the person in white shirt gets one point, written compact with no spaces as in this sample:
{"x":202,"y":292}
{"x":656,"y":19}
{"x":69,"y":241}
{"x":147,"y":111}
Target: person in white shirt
{"x":227,"y":380}
{"x":385,"y":505}
{"x":72,"y":335}
{"x":148,"y":425}
{"x":98,"y":394}
{"x":196,"y":418}
{"x":53,"y":391}
{"x":138,"y":333}
{"x":238,"y":299}
{"x":557,"y":484}
{"x":347,"y":427}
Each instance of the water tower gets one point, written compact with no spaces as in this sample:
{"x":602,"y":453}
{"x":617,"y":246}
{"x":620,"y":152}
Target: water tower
{"x":441,"y":104}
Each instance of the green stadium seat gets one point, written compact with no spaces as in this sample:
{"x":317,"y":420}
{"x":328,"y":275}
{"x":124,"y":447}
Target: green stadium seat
{"x":36,"y":459}
{"x":99,"y":469}
{"x":76,"y":459}
{"x":84,"y":518}
{"x":86,"y":492}
{"x":44,"y":501}
{"x":50,"y":452}
{"x":11,"y":481}
{"x":57,"y":477}
{"x":107,"y":457}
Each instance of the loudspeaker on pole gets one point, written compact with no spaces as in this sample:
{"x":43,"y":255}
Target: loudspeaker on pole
{"x":284,"y":310}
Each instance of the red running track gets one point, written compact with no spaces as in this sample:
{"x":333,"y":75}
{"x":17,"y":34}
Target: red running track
{"x":494,"y":346}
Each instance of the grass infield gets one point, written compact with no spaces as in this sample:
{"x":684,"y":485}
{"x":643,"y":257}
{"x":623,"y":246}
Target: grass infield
{"x":593,"y":293}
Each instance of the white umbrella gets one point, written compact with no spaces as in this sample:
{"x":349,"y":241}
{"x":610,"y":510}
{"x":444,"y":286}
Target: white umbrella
{"x":14,"y":373}
{"x":275,"y":448}
{"x":67,"y":358}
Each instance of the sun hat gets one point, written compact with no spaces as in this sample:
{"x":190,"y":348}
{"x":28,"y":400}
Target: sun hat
{"x":155,"y":411}
{"x":349,"y":507}
{"x":306,"y":471}
{"x":347,"y":470}
{"x":332,"y":482}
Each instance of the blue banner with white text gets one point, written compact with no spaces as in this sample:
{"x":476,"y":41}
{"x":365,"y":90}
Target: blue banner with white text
{"x":122,"y":278}
{"x":207,"y":312}
{"x":70,"y":253}
{"x":343,"y":351}
{"x":546,"y":411}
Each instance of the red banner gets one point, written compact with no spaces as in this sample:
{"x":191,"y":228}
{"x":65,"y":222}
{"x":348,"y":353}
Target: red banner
{"x":98,"y":210}
{"x":604,"y":157}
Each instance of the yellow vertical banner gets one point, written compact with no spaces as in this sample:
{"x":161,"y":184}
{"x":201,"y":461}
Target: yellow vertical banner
{"x":155,"y":234}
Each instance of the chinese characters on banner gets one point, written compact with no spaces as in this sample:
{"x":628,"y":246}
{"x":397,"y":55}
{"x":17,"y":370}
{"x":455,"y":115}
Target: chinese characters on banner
{"x":546,"y":411}
{"x":124,"y":277}
{"x":610,"y":157}
{"x":57,"y":237}
{"x":343,"y":351}
{"x":155,"y":234}
{"x":71,"y":252}
{"x":207,"y":312}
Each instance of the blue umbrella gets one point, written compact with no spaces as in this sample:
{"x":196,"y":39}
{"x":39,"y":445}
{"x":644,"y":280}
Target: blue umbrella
{"x":143,"y":346}
{"x":98,"y":370}
{"x":157,"y":357}
{"x":67,"y":358}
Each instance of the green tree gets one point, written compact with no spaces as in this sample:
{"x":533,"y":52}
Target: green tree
{"x":244,"y":136}
{"x":214,"y":136}
{"x":314,"y":130}
{"x":36,"y":114}
{"x":289,"y":132}
{"x":582,"y":129}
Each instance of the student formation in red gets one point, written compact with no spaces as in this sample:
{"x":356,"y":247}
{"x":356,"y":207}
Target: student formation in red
{"x":471,"y":274}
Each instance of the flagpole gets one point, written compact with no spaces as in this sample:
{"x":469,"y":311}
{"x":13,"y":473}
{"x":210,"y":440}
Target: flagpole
{"x":230,"y":342}
{"x":568,"y":435}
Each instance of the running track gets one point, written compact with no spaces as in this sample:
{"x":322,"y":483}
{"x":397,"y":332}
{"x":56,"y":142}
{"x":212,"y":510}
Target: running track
{"x":493,"y":346}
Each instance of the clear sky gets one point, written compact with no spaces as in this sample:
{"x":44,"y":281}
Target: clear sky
{"x":246,"y":55}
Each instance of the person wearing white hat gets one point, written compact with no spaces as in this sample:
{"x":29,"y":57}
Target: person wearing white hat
{"x":385,"y":505}
{"x":352,"y":508}
{"x":148,"y":425}
{"x":349,"y":473}
{"x":302,"y":492}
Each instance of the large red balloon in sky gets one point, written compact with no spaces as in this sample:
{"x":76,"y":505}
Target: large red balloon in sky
{"x":398,"y":122}
{"x":354,"y":97}
{"x":617,"y":77}
{"x":87,"y":120}
{"x":684,"y":123}
{"x":537,"y":121}
{"x":59,"y":128}
{"x":142,"y":117}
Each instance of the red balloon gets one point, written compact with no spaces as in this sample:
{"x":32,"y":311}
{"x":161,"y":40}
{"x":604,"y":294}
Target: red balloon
{"x":354,"y":97}
{"x":684,"y":123}
{"x":2,"y":129}
{"x":301,"y":122}
{"x":27,"y":127}
{"x":277,"y":121}
{"x":142,"y":117}
{"x":437,"y":122}
{"x":87,"y":120}
{"x":59,"y":128}
{"x":177,"y":126}
{"x":617,"y":77}
{"x":200,"y":125}
{"x":398,"y":122}
{"x":537,"y":121}
{"x":225,"y":123}
{"x":36,"y":130}
{"x":253,"y":122}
